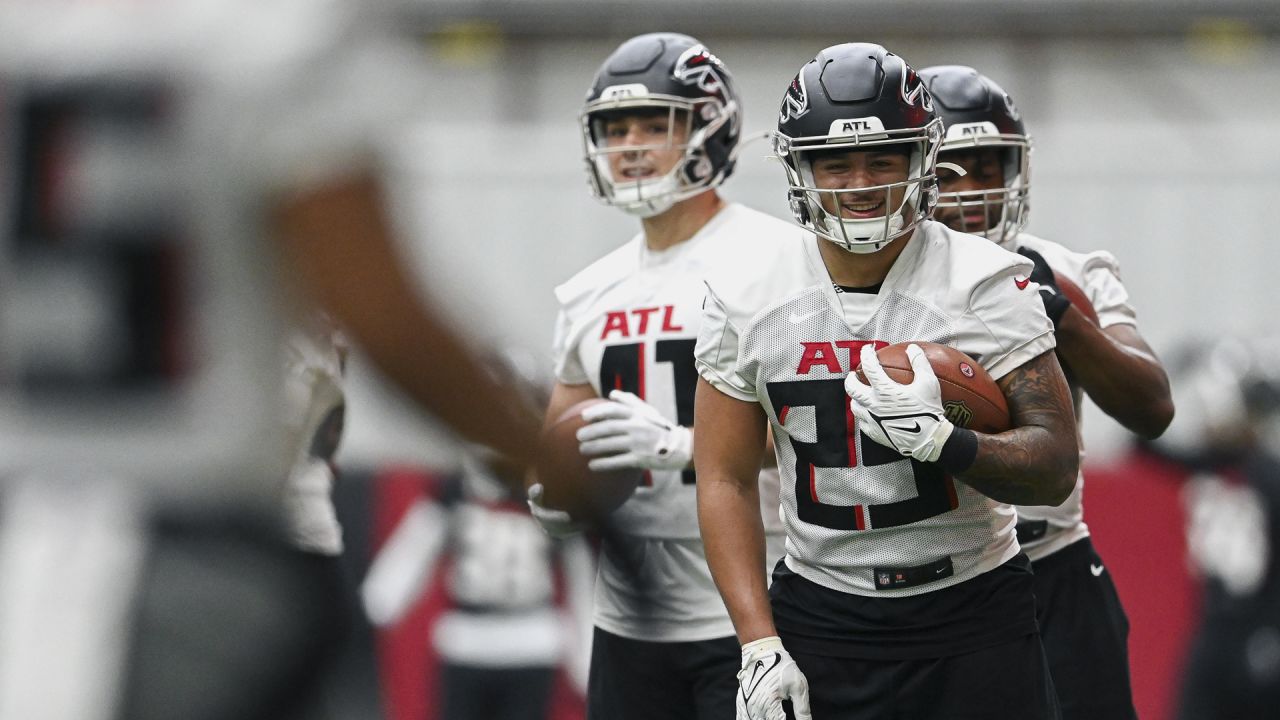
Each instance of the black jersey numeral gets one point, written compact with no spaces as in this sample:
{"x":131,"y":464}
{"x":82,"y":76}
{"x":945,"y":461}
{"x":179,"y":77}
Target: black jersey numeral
{"x":837,"y":445}
{"x":622,"y":368}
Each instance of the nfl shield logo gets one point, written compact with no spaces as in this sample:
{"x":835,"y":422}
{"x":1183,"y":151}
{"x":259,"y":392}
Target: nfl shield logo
{"x":957,"y":412}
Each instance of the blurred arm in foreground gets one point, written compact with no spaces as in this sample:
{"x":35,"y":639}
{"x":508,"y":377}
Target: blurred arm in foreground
{"x":337,"y":238}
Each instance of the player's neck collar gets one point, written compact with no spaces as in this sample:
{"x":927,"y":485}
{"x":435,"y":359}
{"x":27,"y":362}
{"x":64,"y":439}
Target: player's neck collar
{"x":868,"y":289}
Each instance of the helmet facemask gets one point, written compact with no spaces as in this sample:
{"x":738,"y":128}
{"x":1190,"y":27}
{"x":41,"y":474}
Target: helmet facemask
{"x":1005,"y":208}
{"x":693,"y":172}
{"x":870,"y":234}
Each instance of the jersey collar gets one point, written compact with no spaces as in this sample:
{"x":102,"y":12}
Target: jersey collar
{"x":907,"y":260}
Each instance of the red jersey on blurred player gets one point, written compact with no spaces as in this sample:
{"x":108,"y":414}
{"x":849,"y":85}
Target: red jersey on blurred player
{"x":903,"y":587}
{"x":1082,"y":623}
{"x":660,"y":128}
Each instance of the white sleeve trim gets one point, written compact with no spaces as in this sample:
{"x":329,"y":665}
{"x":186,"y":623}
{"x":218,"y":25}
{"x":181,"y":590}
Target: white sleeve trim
{"x":1016,"y":357}
{"x":724,"y":386}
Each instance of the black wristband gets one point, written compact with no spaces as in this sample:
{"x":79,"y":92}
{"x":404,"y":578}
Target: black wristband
{"x":959,"y":451}
{"x":1055,"y":306}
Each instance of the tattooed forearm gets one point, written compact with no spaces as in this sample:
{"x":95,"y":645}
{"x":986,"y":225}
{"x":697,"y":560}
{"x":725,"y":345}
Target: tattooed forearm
{"x":1036,"y":462}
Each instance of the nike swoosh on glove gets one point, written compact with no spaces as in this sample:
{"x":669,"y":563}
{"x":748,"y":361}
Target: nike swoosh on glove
{"x":907,"y":418}
{"x":627,"y":432}
{"x":767,"y":678}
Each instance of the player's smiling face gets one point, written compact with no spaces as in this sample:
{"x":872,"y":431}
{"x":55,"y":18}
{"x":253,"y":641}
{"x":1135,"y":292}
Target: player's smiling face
{"x":836,"y":170}
{"x":658,"y":137}
{"x":984,"y":168}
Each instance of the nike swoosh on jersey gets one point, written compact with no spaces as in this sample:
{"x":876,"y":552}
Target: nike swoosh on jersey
{"x":797,"y":319}
{"x":1096,"y":569}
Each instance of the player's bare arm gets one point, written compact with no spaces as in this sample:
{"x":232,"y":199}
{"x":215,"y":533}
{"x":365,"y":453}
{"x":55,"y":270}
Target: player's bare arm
{"x":1036,"y":462}
{"x":338,"y":239}
{"x":1119,"y":371}
{"x":731,"y":439}
{"x":770,"y":459}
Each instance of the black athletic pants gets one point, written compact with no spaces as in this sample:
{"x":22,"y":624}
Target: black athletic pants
{"x":1085,"y":634}
{"x":639,"y":680}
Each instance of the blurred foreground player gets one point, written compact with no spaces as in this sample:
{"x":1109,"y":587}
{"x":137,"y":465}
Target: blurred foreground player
{"x":1082,"y":623}
{"x":160,"y":160}
{"x":661,"y":128}
{"x":903,"y":592}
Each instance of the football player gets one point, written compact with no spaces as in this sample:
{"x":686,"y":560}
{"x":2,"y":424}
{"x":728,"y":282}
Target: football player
{"x":1082,"y":623}
{"x":159,"y":158}
{"x":660,"y":126}
{"x":1225,"y":443}
{"x":903,"y":592}
{"x":502,"y":633}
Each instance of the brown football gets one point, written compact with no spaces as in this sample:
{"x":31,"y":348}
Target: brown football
{"x":970,"y":398}
{"x":1076,"y":296}
{"x":568,"y":484}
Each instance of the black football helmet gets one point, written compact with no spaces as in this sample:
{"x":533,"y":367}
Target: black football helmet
{"x":849,"y":97}
{"x":675,"y":74}
{"x":977,"y":113}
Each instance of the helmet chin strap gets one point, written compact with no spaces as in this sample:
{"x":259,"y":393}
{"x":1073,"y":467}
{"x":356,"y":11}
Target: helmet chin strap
{"x":858,"y":229}
{"x":872,"y":234}
{"x":646,"y":200}
{"x":649,"y":208}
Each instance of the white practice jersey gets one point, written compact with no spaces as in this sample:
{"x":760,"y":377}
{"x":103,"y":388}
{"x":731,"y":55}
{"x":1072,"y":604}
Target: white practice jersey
{"x":1098,"y":274}
{"x":860,"y":518}
{"x":629,"y":321}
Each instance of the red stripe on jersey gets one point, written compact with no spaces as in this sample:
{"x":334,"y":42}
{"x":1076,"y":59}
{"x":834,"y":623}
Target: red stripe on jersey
{"x":646,"y":479}
{"x":782,"y":414}
{"x":813,"y":483}
{"x":640,"y":371}
{"x":859,"y":520}
{"x":851,"y":434}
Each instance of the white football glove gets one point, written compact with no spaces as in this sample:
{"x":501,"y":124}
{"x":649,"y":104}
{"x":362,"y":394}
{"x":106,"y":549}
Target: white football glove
{"x":769,"y":676}
{"x":906,"y":418}
{"x":627,"y":432}
{"x":555,"y":523}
